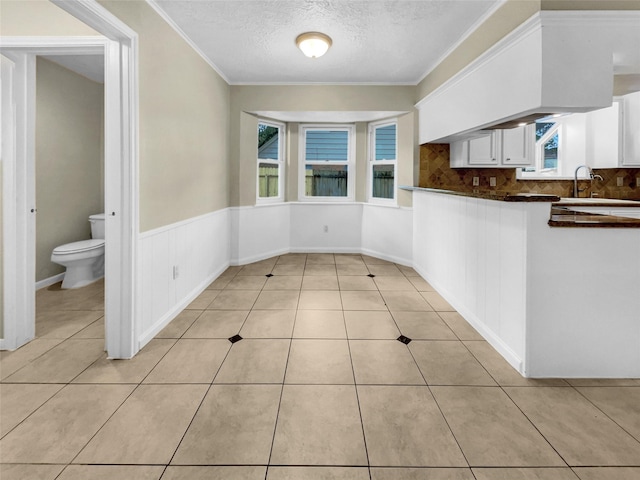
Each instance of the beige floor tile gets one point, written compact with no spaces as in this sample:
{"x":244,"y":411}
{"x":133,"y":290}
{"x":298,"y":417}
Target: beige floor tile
{"x":29,"y":472}
{"x":448,"y":362}
{"x":608,"y":473}
{"x":111,"y":472}
{"x":404,"y":427}
{"x":319,"y":362}
{"x":319,"y":324}
{"x":389,"y":283}
{"x":292,"y":259}
{"x":258,"y":268}
{"x":387,"y":270}
{"x":367,"y":325}
{"x":348,"y":259}
{"x":59,"y":429}
{"x":375,"y":261}
{"x":311,"y":270}
{"x":320,"y":282}
{"x":460,"y":326}
{"x":18,"y":401}
{"x":269,"y":324}
{"x":289,"y":269}
{"x":234,"y":426}
{"x":318,"y":473}
{"x":94,"y":330}
{"x":352,"y":269}
{"x":420,"y":284}
{"x":524,"y":474}
{"x":319,"y":425}
{"x":423,"y":326}
{"x":137,"y":434}
{"x":320,"y":259}
{"x":604,"y":382}
{"x":354,"y":300}
{"x":408,"y":271}
{"x":63,"y":324}
{"x":212,"y":473}
{"x":220,"y":283}
{"x":283,"y":282}
{"x":235,"y":300}
{"x":217,"y":324}
{"x":356,"y":282}
{"x":231,"y":271}
{"x":247,"y":282}
{"x":621,"y":404}
{"x":277,"y":300}
{"x":438,"y":303}
{"x":319,"y":300}
{"x":501,"y":371}
{"x":575,"y":428}
{"x":179,"y":325}
{"x":491,"y":430}
{"x":11,"y":362}
{"x":126,"y":371}
{"x":255,"y":361}
{"x":203,"y":300}
{"x":406,"y":302}
{"x":383,"y":362}
{"x":62,"y":363}
{"x":421,"y":474}
{"x":190,"y":360}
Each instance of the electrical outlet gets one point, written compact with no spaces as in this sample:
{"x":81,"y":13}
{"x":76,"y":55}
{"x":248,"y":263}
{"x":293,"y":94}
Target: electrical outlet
{"x":620,"y":181}
{"x":476,"y":181}
{"x":325,"y":229}
{"x":492,"y":181}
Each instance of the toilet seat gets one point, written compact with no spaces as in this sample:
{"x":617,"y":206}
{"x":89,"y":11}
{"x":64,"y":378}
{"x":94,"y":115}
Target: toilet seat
{"x":78,"y":247}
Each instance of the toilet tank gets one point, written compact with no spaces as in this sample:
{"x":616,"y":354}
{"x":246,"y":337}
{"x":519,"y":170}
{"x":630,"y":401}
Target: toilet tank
{"x":97,"y":225}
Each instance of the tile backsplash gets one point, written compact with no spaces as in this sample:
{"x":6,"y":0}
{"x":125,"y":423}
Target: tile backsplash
{"x":435,"y":172}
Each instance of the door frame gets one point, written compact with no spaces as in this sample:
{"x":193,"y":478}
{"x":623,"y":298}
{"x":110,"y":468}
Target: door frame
{"x":119,"y":44}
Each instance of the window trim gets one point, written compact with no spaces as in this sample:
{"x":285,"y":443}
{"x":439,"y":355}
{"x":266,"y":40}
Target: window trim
{"x":541,"y":173}
{"x":371,"y":162}
{"x":280,"y":163}
{"x":350,"y":163}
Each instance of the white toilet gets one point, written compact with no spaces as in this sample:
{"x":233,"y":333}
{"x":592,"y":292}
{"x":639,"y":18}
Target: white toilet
{"x":84,"y":260}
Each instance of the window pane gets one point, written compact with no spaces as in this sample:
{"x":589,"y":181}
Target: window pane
{"x":268,"y":144}
{"x":542,"y":128}
{"x":267,"y":180}
{"x":326,"y":181}
{"x":550,"y":160}
{"x":326,"y":145}
{"x":383,"y":181}
{"x":386,"y":143}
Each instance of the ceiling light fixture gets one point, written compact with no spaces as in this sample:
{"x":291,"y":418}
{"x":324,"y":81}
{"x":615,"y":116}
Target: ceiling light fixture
{"x":313,"y":44}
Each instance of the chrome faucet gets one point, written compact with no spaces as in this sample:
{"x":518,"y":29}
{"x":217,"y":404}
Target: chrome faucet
{"x":576,"y":191}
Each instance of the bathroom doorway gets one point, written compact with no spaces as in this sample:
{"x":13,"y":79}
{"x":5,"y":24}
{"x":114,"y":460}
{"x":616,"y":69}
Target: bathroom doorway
{"x":119,"y":45}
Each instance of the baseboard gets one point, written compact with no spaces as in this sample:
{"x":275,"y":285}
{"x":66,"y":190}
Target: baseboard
{"x":49,"y":281}
{"x":178,"y":308}
{"x":489,"y":335}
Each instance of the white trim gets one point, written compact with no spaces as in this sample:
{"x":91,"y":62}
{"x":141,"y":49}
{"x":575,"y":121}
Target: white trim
{"x":165,"y":16}
{"x":88,"y":45}
{"x":528,"y":27}
{"x":463,"y":37}
{"x":590,"y":18}
{"x":356,"y":84}
{"x":49,"y":281}
{"x":280,"y":163}
{"x":91,"y":13}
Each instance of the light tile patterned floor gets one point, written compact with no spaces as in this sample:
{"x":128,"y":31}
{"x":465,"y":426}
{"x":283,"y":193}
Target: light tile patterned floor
{"x":318,"y":388}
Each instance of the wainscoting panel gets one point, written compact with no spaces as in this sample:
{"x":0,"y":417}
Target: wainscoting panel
{"x":387,"y":233}
{"x":326,"y":227}
{"x":259,"y":232}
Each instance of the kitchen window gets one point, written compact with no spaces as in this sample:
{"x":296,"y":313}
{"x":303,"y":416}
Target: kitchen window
{"x":270,"y":162}
{"x":327,"y":162}
{"x":383,"y":154}
{"x":547,"y":151}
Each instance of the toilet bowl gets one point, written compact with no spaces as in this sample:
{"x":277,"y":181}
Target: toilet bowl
{"x":84,"y":260}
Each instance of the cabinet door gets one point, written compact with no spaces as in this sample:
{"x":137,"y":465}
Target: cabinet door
{"x":483,"y":150}
{"x":631,"y":129}
{"x":459,"y":154}
{"x":518,"y":146}
{"x":603,"y":137}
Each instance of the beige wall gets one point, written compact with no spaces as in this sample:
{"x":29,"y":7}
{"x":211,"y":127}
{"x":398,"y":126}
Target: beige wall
{"x":316,"y":98}
{"x":69,"y":174}
{"x":38,"y":17}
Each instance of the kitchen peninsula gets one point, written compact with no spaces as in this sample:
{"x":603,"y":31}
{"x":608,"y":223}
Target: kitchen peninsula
{"x":554,"y":301}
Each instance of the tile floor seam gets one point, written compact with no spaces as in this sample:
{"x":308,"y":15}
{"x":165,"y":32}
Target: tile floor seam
{"x":161,"y":358}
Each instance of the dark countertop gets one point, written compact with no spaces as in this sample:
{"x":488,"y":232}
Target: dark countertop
{"x":565,"y":217}
{"x":502,"y":197}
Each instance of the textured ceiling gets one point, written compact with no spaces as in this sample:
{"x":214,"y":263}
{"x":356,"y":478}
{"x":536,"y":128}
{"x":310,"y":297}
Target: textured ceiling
{"x":374,"y":41}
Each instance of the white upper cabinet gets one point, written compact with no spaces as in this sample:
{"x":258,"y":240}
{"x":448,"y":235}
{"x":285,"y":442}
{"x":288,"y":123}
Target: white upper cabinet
{"x":513,"y":147}
{"x":602,"y":137}
{"x":631,"y":130}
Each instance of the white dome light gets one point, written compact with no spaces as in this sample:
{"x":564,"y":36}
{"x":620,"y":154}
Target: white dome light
{"x":313,"y":44}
